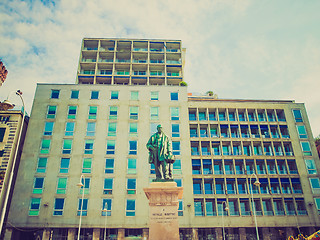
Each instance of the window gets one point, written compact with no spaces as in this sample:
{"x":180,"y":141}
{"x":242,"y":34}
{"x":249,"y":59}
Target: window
{"x":154,"y":96}
{"x":176,"y":148}
{"x":51,"y":113}
{"x":93,"y":112}
{"x":45,"y":146}
{"x":48,"y":128}
{"x":106,"y":205}
{"x":180,"y":208}
{"x":67,"y":145}
{"x":64,"y":165}
{"x":302,"y":131}
{"x":69,"y":128}
{"x":132,"y":147}
{"x":58,"y":206}
{"x":83,"y":207}
{"x":210,"y":210}
{"x":91,"y":129}
{"x":315,"y":185}
{"x":175,"y":130}
{"x":42,"y":165}
{"x":178,"y":181}
{"x":174,"y":113}
{"x":88,"y":146}
{"x":133,"y":129}
{"x":109,"y":165}
{"x":297,"y":115}
{"x":38,"y":185}
{"x":111,"y":145}
{"x":154,"y":113}
{"x":86,"y":185}
{"x":55,"y":94}
{"x":311,"y":166}
{"x":317,"y":201}
{"x":113,"y":112}
{"x":34,"y":208}
{"x":306,"y":148}
{"x":134,"y":113}
{"x":132,"y":166}
{"x":198,"y":207}
{"x":177,"y":167}
{"x":74,"y":94}
{"x":131,"y":207}
{"x":112,"y":129}
{"x":107,"y":187}
{"x":86,"y":165}
{"x":197,"y":186}
{"x":114,"y":94}
{"x":62,"y":185}
{"x":94,"y":94}
{"x":72,"y":112}
{"x":131,"y":186}
{"x":2,"y":132}
{"x":134,"y":95}
{"x":174,"y":96}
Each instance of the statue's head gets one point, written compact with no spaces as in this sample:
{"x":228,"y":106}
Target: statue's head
{"x":159,"y":128}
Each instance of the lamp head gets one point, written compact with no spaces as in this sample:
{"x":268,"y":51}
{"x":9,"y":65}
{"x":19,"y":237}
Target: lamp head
{"x":257,"y":183}
{"x":226,"y":208}
{"x":80,"y":184}
{"x":6,"y":105}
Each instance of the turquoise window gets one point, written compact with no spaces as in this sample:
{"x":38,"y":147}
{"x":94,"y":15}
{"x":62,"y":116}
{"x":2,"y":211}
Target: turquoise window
{"x":91,"y":129}
{"x":133,"y":129}
{"x":45,"y":146}
{"x":88,"y":147}
{"x":154,"y":113}
{"x":114,"y":94}
{"x":113,"y":112}
{"x":64,"y":165}
{"x":58,"y":207}
{"x":93,"y":112}
{"x":131,"y":207}
{"x":38,"y":185}
{"x":108,"y":184}
{"x":67,"y":145}
{"x":42,"y":165}
{"x":34,"y":206}
{"x":51,"y":114}
{"x":134,"y":95}
{"x":132,"y":166}
{"x":69,"y":128}
{"x":86,"y":165}
{"x":109,"y":165}
{"x":174,"y":113}
{"x":111,"y":145}
{"x":62,"y":185}
{"x":72,"y":112}
{"x":48,"y":128}
{"x":154,"y":96}
{"x":131,"y":186}
{"x":74,"y":94}
{"x":112,"y":129}
{"x":134,"y":113}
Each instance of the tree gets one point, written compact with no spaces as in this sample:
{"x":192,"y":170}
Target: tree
{"x":209,"y":93}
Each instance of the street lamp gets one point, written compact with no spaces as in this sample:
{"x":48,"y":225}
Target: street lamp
{"x":80,"y":184}
{"x":4,"y":106}
{"x":256,"y":183}
{"x":105,"y":209}
{"x":225,"y":209}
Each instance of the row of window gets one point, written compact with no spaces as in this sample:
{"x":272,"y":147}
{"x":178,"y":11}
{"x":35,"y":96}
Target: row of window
{"x":245,"y":207}
{"x":213,"y":114}
{"x":247,"y":166}
{"x":110,"y":146}
{"x":227,"y":148}
{"x":237,"y":131}
{"x":243,"y":186}
{"x":134,"y":95}
{"x":62,"y":182}
{"x":87,"y":164}
{"x":111,"y":128}
{"x":113,"y":112}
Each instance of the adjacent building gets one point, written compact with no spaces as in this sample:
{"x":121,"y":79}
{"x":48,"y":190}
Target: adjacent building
{"x":95,"y":132}
{"x":3,"y":73}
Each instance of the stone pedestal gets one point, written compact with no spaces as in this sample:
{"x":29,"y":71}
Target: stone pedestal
{"x":163,"y":210}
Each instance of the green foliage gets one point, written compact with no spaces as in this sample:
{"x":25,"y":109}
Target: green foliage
{"x":182,"y":83}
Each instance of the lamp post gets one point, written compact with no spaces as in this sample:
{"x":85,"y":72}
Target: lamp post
{"x":5,"y":105}
{"x":256,"y":183}
{"x":80,"y":184}
{"x":226,"y":208}
{"x":105,"y":209}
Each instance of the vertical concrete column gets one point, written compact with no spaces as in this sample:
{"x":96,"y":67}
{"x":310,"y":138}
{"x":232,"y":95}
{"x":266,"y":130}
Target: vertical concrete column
{"x":266,"y":234}
{"x":121,"y":234}
{"x":46,"y":234}
{"x":96,"y":233}
{"x":8,"y":234}
{"x":145,"y":234}
{"x":71,"y":233}
{"x":219,"y":233}
{"x":195,"y":233}
{"x":242,"y":234}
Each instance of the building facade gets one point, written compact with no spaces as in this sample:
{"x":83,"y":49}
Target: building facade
{"x":11,"y":122}
{"x":95,"y":132}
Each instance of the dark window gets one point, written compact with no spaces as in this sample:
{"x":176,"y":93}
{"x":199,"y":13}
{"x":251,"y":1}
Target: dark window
{"x":55,"y":93}
{"x":2,"y":132}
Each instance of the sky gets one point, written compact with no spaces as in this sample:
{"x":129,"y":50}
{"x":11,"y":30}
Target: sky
{"x":239,"y":49}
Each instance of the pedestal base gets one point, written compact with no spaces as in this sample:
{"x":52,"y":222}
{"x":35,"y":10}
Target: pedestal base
{"x":163,"y":210}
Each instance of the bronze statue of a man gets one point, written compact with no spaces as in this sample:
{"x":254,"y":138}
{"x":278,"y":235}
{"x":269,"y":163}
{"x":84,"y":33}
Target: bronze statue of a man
{"x":160,"y":154}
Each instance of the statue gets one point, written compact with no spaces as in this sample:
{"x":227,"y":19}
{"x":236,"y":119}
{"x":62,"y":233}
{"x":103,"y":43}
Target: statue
{"x":160,"y":154}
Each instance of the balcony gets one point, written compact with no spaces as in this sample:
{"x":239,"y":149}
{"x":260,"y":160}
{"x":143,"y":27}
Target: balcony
{"x":123,"y":60}
{"x":173,"y":74}
{"x":156,"y":50}
{"x":140,"y":49}
{"x":88,"y":60}
{"x":109,"y":60}
{"x":90,"y":48}
{"x":139,"y":60}
{"x":291,"y":212}
{"x":302,"y":212}
{"x":156,"y":61}
{"x":173,"y":62}
{"x":123,"y":73}
{"x":156,"y":73}
{"x":268,"y":213}
{"x":173,"y":50}
{"x":280,"y":213}
{"x":246,"y":213}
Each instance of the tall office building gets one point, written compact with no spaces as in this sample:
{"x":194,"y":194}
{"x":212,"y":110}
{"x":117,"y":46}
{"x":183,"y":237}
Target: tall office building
{"x":95,"y":132}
